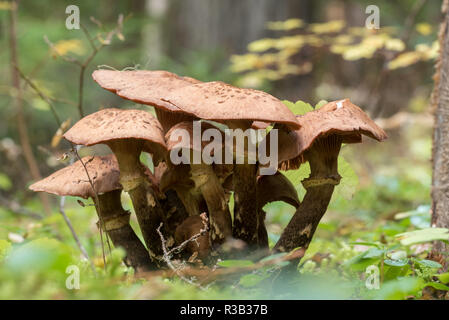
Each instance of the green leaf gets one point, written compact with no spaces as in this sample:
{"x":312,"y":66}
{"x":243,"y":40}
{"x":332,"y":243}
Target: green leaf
{"x":299,"y":107}
{"x":423,"y":235}
{"x":5,"y":247}
{"x":274,"y":256}
{"x":320,"y":104}
{"x":5,"y":182}
{"x":349,"y":180}
{"x":443,"y":277}
{"x":428,"y":263}
{"x":373,"y":253}
{"x":296,"y":176}
{"x":365,"y":243}
{"x":235,"y":263}
{"x":437,"y":285}
{"x":43,"y":255}
{"x":396,"y":263}
{"x":400,"y":289}
{"x":250,"y":280}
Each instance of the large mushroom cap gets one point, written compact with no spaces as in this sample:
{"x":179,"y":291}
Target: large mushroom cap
{"x":144,"y":87}
{"x":116,"y":124}
{"x":340,"y":117}
{"x":222,"y":102}
{"x":73,"y":180}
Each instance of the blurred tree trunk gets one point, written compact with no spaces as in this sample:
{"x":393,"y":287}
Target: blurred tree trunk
{"x":18,"y":105}
{"x":440,"y":102}
{"x":153,"y":42}
{"x":229,"y":25}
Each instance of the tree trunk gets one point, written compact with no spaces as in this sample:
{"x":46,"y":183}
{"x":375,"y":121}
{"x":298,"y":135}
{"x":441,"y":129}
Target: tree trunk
{"x":440,"y":102}
{"x":18,"y":106}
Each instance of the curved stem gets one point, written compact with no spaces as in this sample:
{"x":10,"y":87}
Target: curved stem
{"x":134,"y":181}
{"x":323,"y":160}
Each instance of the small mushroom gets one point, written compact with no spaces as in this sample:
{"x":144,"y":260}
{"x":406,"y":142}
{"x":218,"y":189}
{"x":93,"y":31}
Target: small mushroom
{"x":104,"y":174}
{"x":318,"y":141}
{"x":237,"y":108}
{"x":128,"y":133}
{"x":205,"y":180}
{"x":191,"y":227}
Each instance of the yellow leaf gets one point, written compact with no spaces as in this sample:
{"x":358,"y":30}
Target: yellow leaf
{"x":285,"y":25}
{"x":6,"y":5}
{"x":394,"y":44}
{"x":424,"y":28}
{"x":343,"y":39}
{"x":404,"y":60}
{"x":358,"y":52}
{"x":327,"y":27}
{"x":58,"y":135}
{"x":292,"y":42}
{"x":261,"y":45}
{"x":428,"y":52}
{"x":63,"y":47}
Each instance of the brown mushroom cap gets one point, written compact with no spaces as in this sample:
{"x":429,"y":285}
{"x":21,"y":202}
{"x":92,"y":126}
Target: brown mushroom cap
{"x":73,"y":180}
{"x":116,"y":124}
{"x":219,"y":101}
{"x":144,"y":87}
{"x":339,"y":117}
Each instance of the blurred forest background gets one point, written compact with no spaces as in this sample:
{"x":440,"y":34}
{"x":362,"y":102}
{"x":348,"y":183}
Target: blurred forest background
{"x":309,"y":50}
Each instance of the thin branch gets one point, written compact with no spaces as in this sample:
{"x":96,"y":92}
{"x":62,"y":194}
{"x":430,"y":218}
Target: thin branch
{"x":97,"y":207}
{"x":208,"y":275}
{"x":43,"y":96}
{"x":168,"y":261}
{"x":202,"y":232}
{"x":75,"y":236}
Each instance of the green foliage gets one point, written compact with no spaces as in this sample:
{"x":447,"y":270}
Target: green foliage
{"x":423,"y":235}
{"x":235,"y":263}
{"x":5,"y":182}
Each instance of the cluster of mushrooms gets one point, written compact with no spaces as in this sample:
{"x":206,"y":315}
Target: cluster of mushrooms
{"x":177,"y":202}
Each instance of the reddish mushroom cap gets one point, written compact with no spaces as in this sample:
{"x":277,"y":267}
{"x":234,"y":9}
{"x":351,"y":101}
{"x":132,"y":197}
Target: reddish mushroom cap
{"x":340,"y":117}
{"x":73,"y":180}
{"x":222,"y":102}
{"x":144,"y":87}
{"x":116,"y":124}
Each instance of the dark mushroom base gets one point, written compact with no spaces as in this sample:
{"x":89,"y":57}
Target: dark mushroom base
{"x":115,"y":220}
{"x":246,"y":219}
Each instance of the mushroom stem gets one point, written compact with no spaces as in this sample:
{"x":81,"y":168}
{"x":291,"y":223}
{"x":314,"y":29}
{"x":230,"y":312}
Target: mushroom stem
{"x":262,"y":232}
{"x":219,"y":216}
{"x":116,"y":222}
{"x":246,"y":220}
{"x":323,"y":160}
{"x":189,"y":199}
{"x":168,"y":119}
{"x":146,"y":205}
